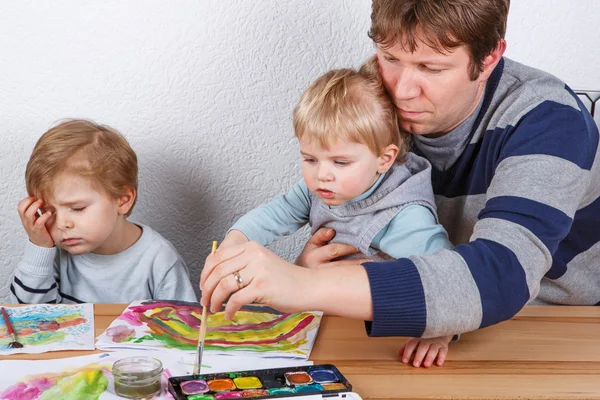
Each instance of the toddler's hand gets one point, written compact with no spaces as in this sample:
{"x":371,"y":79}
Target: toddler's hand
{"x":35,"y":225}
{"x":428,"y":349}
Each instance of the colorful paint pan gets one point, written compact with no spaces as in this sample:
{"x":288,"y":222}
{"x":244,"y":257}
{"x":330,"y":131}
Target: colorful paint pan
{"x":255,"y":393}
{"x":263,"y":384}
{"x":194,"y":387}
{"x":201,"y":397}
{"x":323,"y":376}
{"x":312,"y":388}
{"x":333,"y":386}
{"x":285,"y":391}
{"x":247,"y":382}
{"x":221,"y":385}
{"x":297,"y":378}
{"x":228,"y":395}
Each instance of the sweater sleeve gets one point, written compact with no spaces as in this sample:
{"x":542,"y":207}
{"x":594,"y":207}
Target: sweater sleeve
{"x":283,"y":215}
{"x":35,"y":279}
{"x":542,"y":173}
{"x":413,"y":231}
{"x":175,"y":284}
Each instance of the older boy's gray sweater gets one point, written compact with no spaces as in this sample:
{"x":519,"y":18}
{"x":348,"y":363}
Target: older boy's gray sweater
{"x":150,"y":269}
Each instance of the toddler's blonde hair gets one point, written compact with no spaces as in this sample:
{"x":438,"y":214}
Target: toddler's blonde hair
{"x":353,"y":106}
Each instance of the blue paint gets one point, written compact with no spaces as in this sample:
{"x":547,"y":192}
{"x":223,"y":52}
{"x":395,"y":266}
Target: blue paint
{"x":281,"y":390}
{"x":323,"y":376}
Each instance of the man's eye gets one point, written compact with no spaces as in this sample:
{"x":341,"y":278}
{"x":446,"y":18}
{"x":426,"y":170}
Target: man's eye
{"x":310,"y":160}
{"x":341,"y":163}
{"x":431,"y":70}
{"x":76,"y":209}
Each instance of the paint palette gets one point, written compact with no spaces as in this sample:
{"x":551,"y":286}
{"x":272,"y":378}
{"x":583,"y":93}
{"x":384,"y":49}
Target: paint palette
{"x":261,"y":384}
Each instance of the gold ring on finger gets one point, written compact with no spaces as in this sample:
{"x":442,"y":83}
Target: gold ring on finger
{"x":238,"y":279}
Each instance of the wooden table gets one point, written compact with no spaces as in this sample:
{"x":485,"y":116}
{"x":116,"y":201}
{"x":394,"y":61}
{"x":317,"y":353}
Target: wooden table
{"x":542,"y":353}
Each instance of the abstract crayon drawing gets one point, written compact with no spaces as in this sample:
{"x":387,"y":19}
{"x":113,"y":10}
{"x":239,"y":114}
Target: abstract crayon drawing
{"x":256,"y":329}
{"x":44,"y":327}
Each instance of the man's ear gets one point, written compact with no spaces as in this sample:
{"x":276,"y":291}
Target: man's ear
{"x":387,"y":158}
{"x":126,"y":200}
{"x":491,"y":60}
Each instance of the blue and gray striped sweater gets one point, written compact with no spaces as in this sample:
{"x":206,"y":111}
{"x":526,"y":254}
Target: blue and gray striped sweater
{"x":517,"y":187}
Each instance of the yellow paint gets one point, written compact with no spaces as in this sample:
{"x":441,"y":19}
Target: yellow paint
{"x":248,"y":382}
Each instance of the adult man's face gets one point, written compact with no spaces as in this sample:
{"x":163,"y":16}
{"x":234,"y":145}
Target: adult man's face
{"x":433,"y":92}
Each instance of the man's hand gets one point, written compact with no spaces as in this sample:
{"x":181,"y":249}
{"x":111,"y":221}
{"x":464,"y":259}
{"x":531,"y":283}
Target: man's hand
{"x":317,"y":253}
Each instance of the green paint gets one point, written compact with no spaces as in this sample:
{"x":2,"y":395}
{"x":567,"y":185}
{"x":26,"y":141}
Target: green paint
{"x":284,"y":345}
{"x":201,"y":397}
{"x":84,"y":385}
{"x":44,"y":337}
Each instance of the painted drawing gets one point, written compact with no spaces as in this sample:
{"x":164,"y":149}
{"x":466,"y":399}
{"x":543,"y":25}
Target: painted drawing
{"x":255,"y":330}
{"x":90,"y":377}
{"x":46,"y":327}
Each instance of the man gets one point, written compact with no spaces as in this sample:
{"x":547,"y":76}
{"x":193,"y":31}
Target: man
{"x":515,"y":172}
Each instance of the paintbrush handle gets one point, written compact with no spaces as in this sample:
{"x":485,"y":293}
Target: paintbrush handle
{"x":203,"y":323}
{"x":7,"y":321}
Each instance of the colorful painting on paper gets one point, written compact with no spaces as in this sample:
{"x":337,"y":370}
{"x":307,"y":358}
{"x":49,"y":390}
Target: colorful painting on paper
{"x":46,"y":327}
{"x":256,"y":329}
{"x":90,"y":377}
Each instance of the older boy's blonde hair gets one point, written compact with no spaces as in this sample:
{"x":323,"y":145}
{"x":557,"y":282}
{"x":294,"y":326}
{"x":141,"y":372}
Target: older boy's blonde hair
{"x":353,"y":106}
{"x":84,"y":148}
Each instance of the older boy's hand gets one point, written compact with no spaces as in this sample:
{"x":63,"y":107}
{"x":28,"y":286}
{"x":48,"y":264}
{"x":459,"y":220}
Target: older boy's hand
{"x":34,"y":224}
{"x":318,"y":253}
{"x":428,"y":349}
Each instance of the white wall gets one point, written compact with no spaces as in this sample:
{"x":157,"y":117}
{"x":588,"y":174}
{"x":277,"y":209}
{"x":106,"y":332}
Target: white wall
{"x":204,"y":91}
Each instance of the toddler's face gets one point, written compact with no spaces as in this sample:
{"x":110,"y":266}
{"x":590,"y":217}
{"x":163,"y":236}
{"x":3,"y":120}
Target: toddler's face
{"x":339,"y":174}
{"x":84,"y":219}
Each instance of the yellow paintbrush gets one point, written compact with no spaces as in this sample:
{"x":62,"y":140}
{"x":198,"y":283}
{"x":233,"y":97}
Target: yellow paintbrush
{"x":200,"y":348}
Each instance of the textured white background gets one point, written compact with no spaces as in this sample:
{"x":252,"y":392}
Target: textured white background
{"x":204,"y":90}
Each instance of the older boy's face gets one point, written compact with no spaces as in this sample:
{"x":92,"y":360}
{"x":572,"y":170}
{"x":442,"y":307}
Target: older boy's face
{"x":84,"y":220}
{"x":432,"y":92}
{"x":340,"y":173}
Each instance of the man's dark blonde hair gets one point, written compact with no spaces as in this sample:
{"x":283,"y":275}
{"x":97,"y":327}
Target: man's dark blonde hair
{"x":479,"y":25}
{"x":353,"y":106}
{"x":84,"y":148}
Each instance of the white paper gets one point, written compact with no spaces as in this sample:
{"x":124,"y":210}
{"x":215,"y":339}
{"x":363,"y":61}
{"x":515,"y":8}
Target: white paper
{"x":46,"y":327}
{"x":55,"y":379}
{"x":256,"y":330}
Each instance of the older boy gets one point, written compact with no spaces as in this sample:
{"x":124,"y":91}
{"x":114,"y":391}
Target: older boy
{"x":82,"y":184}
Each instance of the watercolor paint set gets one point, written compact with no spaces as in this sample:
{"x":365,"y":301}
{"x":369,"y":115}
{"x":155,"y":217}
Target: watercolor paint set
{"x":322,"y":379}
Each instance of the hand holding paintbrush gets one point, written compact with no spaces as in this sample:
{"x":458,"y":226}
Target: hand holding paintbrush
{"x":14,"y":344}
